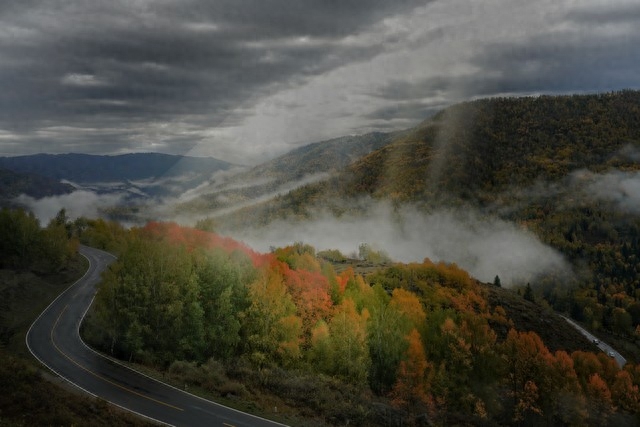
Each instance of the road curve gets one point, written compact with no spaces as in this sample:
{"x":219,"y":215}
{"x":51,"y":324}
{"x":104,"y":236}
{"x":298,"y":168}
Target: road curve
{"x":610,"y":351}
{"x":54,"y":340}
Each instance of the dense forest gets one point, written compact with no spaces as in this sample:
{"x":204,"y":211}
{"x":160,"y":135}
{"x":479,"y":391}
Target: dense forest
{"x":564,"y":167}
{"x":408,"y":344}
{"x":24,"y":245}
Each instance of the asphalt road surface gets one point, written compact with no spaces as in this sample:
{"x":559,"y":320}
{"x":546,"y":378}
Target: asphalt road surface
{"x":55,"y":341}
{"x":601,"y":345}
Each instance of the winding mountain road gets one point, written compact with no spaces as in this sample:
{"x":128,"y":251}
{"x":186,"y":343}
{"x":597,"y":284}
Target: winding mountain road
{"x":610,"y":351}
{"x":54,"y":339}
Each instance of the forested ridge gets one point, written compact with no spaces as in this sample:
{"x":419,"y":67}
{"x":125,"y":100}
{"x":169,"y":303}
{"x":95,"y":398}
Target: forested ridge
{"x":564,"y":167}
{"x":477,"y":150}
{"x":484,"y":150}
{"x":13,"y":184}
{"x":407,"y":344}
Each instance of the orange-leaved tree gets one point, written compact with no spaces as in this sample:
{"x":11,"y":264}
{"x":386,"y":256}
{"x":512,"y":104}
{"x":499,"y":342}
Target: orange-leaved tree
{"x":411,"y":390}
{"x":271,"y":327}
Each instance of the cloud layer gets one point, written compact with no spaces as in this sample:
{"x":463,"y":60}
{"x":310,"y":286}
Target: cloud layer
{"x":485,"y":247}
{"x":243,"y":80}
{"x":77,"y":204}
{"x":618,"y":187}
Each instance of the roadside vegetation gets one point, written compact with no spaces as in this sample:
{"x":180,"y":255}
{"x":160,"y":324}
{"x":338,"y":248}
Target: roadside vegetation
{"x":412,"y":344}
{"x":36,"y":266}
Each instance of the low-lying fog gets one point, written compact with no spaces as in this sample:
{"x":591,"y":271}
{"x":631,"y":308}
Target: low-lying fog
{"x":79,"y":203}
{"x":485,"y":247}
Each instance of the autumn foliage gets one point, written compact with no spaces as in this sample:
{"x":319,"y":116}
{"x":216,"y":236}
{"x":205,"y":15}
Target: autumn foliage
{"x":192,"y":238}
{"x":417,"y":337}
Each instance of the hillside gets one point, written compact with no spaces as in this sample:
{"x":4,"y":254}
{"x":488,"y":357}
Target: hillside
{"x":304,"y":165}
{"x":495,"y":153}
{"x":478,"y":149}
{"x":565,"y":168}
{"x":408,"y":344}
{"x":324,"y":156}
{"x":525,"y":315}
{"x":13,"y":184}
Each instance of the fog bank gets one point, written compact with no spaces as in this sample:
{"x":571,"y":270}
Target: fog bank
{"x":485,"y":247}
{"x":79,"y":203}
{"x":619,"y":187}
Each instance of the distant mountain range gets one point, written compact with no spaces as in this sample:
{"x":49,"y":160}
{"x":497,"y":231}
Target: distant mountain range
{"x":310,"y":163}
{"x":145,"y":176}
{"x":87,"y":168}
{"x":141,"y":174}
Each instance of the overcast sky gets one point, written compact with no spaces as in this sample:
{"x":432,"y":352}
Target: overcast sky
{"x":244,"y":80}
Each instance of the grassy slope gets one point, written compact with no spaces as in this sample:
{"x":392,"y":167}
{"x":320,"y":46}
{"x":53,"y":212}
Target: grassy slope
{"x":26,"y":396}
{"x":23,"y":296}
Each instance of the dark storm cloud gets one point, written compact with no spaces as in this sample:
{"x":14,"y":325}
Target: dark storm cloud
{"x":66,"y":63}
{"x":611,"y":13}
{"x":560,"y":64}
{"x":541,"y":65}
{"x":251,"y":76}
{"x":591,"y":49}
{"x":283,"y":18}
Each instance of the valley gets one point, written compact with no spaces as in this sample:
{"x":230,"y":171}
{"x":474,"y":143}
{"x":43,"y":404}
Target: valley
{"x":490,"y":218}
{"x":416,"y":213}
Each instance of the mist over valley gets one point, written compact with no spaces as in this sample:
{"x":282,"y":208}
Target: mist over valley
{"x":364,"y":213}
{"x":498,"y":213}
{"x":427,"y":192}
